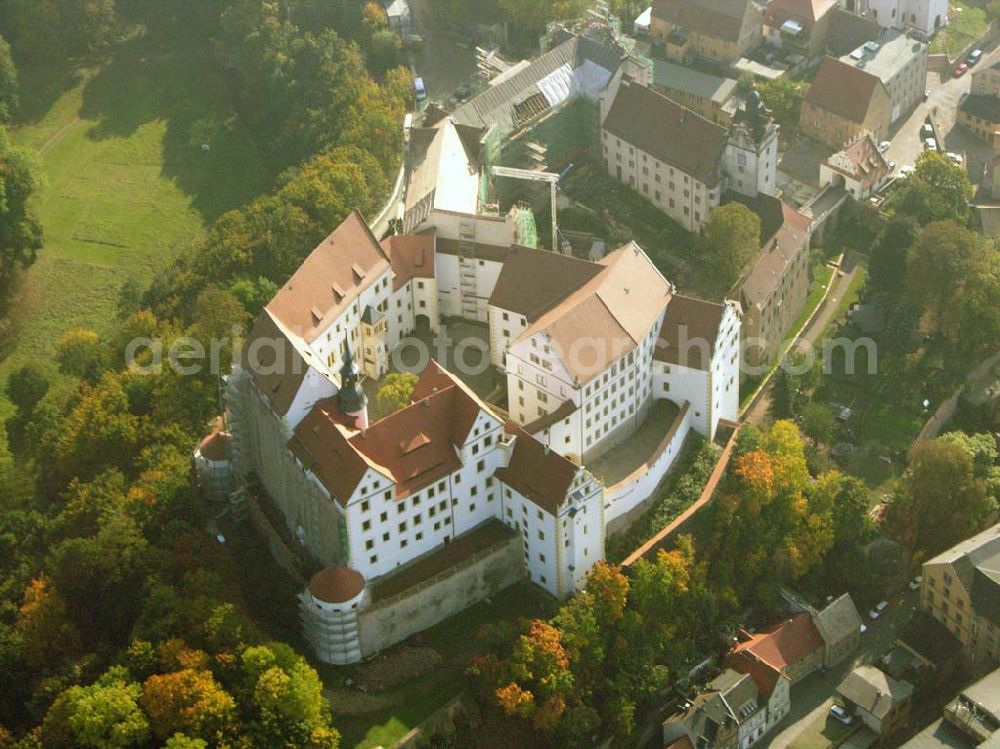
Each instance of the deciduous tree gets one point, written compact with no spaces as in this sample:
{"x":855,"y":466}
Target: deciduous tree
{"x":729,"y":241}
{"x":394,"y":393}
{"x":9,"y":91}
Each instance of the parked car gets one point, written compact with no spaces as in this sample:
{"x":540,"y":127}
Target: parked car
{"x":841,"y":714}
{"x":960,"y":70}
{"x":876,"y":612}
{"x":915,"y":582}
{"x":864,"y":628}
{"x":927,"y":130}
{"x":930,"y":144}
{"x":419,"y":89}
{"x":892,"y":165}
{"x":884,"y":146}
{"x":906,"y":170}
{"x":955,"y":158}
{"x":974,"y":57}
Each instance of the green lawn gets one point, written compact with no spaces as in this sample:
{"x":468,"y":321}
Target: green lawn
{"x":965,"y":24}
{"x":128,"y":183}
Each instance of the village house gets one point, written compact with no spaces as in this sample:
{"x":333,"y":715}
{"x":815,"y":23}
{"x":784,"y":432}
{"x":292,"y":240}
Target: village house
{"x":842,"y":102}
{"x":899,"y":60}
{"x":731,"y":714}
{"x":877,"y":700}
{"x":799,"y":26}
{"x":713,"y":97}
{"x":839,"y":624}
{"x":980,"y":113}
{"x":792,"y":647}
{"x":719,"y":30}
{"x":860,"y":168}
{"x":961,"y":589}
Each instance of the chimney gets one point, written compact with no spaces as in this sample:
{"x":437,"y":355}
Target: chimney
{"x":545,"y":448}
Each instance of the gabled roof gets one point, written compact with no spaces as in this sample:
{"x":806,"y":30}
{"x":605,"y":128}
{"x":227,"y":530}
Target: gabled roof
{"x":784,"y":643}
{"x":874,"y":691}
{"x":668,"y":132}
{"x":411,"y":256}
{"x":277,"y":360}
{"x":839,"y":620}
{"x":843,"y":90}
{"x":414,"y":447}
{"x":784,"y":235}
{"x":616,"y":308}
{"x":444,"y":163}
{"x":496,"y":105}
{"x":670,"y":75}
{"x":690,"y":320}
{"x":860,"y":160}
{"x":537,"y":472}
{"x":807,"y":12}
{"x":533,"y":281}
{"x":720,"y":19}
{"x":765,"y":676}
{"x":329,"y":279}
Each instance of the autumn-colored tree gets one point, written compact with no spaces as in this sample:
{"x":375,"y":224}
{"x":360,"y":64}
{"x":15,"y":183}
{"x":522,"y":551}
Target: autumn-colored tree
{"x":79,"y":353}
{"x":942,"y":501}
{"x":189,"y":701}
{"x":47,"y":631}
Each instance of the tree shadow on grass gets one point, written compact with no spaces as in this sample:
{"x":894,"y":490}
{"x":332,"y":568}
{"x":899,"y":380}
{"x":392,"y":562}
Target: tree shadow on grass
{"x":163,"y":76}
{"x":41,"y":85}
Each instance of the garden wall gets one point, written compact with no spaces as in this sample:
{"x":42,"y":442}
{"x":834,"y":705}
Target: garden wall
{"x":426,"y":604}
{"x":625,"y":501}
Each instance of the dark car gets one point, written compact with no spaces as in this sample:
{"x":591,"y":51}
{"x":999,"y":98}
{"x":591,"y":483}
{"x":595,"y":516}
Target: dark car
{"x":973,"y":57}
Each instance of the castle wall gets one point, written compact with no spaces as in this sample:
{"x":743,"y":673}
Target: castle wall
{"x":387,"y":622}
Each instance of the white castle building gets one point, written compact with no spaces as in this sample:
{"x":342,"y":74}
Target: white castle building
{"x":585,"y":347}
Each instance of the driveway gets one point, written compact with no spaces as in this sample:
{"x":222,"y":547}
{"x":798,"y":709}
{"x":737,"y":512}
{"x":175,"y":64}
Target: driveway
{"x":444,"y":63}
{"x":942,"y":106}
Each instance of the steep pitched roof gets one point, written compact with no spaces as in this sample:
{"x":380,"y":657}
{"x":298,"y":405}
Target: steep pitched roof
{"x":444,"y":163}
{"x":497,"y":104}
{"x":277,"y":360}
{"x":807,"y":12}
{"x":843,"y":90}
{"x":861,"y":161}
{"x":667,"y":131}
{"x":765,"y":675}
{"x":784,"y":235}
{"x":784,"y":643}
{"x":414,"y":447}
{"x":537,"y":472}
{"x":533,"y":281}
{"x":874,"y":691}
{"x":343,"y":265}
{"x":840,"y":619}
{"x":691,"y":320}
{"x":721,"y":19}
{"x":411,"y":256}
{"x":616,"y":307}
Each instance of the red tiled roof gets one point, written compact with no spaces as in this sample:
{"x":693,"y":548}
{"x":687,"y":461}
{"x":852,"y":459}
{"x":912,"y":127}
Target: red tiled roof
{"x":784,"y":643}
{"x":341,"y":267}
{"x":537,"y":472}
{"x":764,"y":675}
{"x":336,"y":584}
{"x":414,"y":446}
{"x":411,"y":256}
{"x":807,"y":12}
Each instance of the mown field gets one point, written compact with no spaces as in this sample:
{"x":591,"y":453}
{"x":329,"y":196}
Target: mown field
{"x":140,"y":152}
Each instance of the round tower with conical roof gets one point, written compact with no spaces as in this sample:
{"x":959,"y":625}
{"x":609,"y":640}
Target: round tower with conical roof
{"x":351,"y":398}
